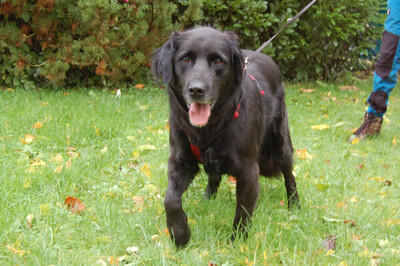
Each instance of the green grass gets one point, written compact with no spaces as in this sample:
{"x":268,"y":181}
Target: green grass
{"x":122,"y":150}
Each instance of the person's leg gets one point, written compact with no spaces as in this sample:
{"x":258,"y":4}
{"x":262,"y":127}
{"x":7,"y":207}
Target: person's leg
{"x":385,"y":76}
{"x":385,"y":79}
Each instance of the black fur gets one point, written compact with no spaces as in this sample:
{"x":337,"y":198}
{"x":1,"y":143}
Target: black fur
{"x":256,"y":142}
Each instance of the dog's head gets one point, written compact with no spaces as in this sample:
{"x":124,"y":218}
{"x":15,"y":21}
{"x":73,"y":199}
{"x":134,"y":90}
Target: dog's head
{"x":203,"y":66}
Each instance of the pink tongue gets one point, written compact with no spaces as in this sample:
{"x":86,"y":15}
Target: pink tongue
{"x":199,"y":114}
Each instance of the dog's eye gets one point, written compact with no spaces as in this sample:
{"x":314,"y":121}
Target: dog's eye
{"x":218,"y":61}
{"x":185,"y":59}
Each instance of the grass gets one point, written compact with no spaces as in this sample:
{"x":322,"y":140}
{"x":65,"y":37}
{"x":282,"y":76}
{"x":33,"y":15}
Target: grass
{"x":114,"y":159}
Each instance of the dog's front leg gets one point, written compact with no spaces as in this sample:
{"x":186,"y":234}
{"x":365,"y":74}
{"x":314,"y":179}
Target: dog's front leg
{"x":247,"y":190}
{"x":212,"y":186}
{"x":179,"y":179}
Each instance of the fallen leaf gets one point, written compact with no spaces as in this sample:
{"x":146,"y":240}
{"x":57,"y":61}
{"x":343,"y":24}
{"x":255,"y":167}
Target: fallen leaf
{"x":320,"y":127}
{"x":166,"y":231}
{"x":303,"y":154}
{"x":329,"y":243}
{"x":44,"y":103}
{"x":57,"y":158}
{"x":104,"y":150}
{"x":349,"y":88}
{"x":351,"y":223}
{"x":232,"y":179}
{"x":37,"y":125}
{"x":355,"y":238}
{"x":16,"y":251}
{"x":147,"y":147}
{"x":29,"y":219}
{"x":28,"y":139}
{"x":361,"y":166}
{"x":138,"y":199}
{"x":394,"y":142}
{"x":282,"y":203}
{"x":355,"y":141}
{"x":139,"y":86}
{"x":58,"y":169}
{"x":132,"y":250}
{"x":306,"y":90}
{"x":146,"y":170}
{"x":74,"y":204}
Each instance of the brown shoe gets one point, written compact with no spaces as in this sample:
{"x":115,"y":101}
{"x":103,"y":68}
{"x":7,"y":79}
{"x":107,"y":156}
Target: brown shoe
{"x":371,"y":127}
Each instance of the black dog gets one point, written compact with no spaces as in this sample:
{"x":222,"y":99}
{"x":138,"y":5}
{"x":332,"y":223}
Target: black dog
{"x":232,"y":120}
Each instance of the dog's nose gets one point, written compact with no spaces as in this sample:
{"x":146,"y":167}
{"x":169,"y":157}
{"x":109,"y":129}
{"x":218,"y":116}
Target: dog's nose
{"x":196,"y":92}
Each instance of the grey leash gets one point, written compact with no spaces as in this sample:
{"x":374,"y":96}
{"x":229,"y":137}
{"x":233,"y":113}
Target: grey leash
{"x":290,"y":21}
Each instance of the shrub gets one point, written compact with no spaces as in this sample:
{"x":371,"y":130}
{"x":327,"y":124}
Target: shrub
{"x":327,"y":40}
{"x":65,"y":42}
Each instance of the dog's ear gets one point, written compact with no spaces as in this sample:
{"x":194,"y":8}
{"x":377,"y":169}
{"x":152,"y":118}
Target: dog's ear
{"x":237,"y":56}
{"x":162,"y":65}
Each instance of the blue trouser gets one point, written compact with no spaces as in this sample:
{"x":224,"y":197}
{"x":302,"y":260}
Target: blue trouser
{"x":385,"y":76}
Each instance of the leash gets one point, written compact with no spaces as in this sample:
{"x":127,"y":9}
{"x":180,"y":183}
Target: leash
{"x":290,"y":21}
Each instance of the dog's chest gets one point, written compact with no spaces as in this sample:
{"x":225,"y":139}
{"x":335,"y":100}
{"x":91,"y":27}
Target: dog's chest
{"x":215,"y":160}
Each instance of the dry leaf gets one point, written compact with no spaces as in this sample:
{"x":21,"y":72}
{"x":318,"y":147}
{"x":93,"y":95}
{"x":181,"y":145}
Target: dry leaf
{"x":58,"y":169}
{"x":104,"y":150}
{"x":306,"y":90}
{"x":138,"y":199}
{"x":232,"y":179}
{"x":329,"y":243}
{"x":303,"y":154}
{"x":351,"y":223}
{"x":37,"y":125}
{"x":320,"y":127}
{"x":132,"y":250}
{"x":74,"y":204}
{"x":28,"y":139}
{"x":16,"y":251}
{"x":349,"y":88}
{"x":29,"y":219}
{"x":57,"y":159}
{"x":139,"y":86}
{"x":355,"y":141}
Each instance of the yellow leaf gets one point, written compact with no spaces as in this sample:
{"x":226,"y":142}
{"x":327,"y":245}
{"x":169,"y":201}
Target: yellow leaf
{"x":44,"y":103}
{"x":28,"y":139}
{"x":38,"y":163}
{"x":37,"y":125}
{"x":330,"y":252}
{"x":306,"y":90}
{"x":16,"y":251}
{"x":57,"y":158}
{"x":320,"y":127}
{"x":377,"y":178}
{"x":9,"y":90}
{"x":355,"y":141}
{"x":130,"y":138}
{"x":135,"y":154}
{"x":104,"y":150}
{"x":147,"y":147}
{"x":58,"y":169}
{"x":146,"y":170}
{"x":394,"y":141}
{"x":303,"y":154}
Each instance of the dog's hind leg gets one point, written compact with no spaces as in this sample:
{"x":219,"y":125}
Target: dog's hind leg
{"x":290,"y":184}
{"x":212,"y":186}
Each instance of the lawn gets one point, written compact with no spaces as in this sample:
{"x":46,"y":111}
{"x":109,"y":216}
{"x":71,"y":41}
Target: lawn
{"x":112,"y":155}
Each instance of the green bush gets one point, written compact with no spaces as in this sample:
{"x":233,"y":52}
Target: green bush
{"x":326,"y":41}
{"x":90,"y":42}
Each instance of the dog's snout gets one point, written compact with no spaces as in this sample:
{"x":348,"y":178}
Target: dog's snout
{"x":196,"y":90}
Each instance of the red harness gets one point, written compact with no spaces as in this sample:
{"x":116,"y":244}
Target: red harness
{"x":196,"y":149}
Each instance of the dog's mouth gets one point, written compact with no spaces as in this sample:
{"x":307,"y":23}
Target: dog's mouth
{"x":199,"y":113}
